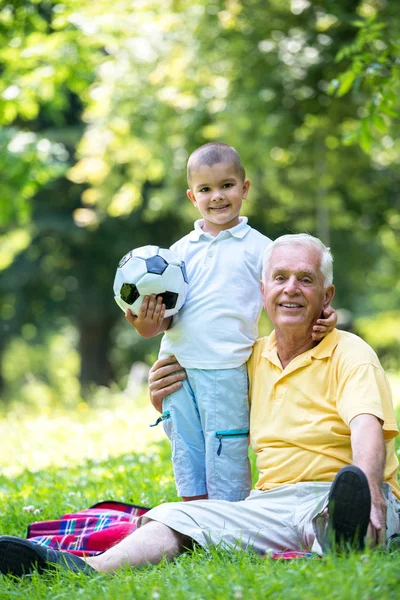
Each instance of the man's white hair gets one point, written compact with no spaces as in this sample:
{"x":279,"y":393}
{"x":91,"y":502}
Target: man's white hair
{"x":303,"y":239}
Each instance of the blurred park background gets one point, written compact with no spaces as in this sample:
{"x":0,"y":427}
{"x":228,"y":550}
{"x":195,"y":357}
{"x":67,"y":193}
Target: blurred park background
{"x":100,"y":105}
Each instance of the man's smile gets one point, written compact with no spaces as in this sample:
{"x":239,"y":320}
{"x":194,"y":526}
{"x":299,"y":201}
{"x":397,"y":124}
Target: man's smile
{"x":290,"y":305}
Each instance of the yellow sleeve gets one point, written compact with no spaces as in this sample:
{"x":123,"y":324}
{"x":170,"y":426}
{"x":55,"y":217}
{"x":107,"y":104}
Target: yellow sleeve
{"x":364,"y":389}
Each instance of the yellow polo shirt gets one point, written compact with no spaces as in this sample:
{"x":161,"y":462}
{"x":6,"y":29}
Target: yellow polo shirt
{"x":300,"y":415}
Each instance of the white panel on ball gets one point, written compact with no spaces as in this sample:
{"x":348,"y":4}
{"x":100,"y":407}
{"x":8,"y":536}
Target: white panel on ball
{"x":136,"y":306}
{"x":169,"y":256}
{"x":151,"y":283}
{"x":134,"y":269}
{"x":145,"y":251}
{"x":118,"y":282}
{"x":173,"y":278}
{"x":123,"y":305}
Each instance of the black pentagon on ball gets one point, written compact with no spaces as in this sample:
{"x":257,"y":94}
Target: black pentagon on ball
{"x":156,"y":264}
{"x":169,"y":299}
{"x":129,"y":293}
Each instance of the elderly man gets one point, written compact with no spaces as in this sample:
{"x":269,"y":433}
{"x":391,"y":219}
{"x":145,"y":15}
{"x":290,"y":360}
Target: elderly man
{"x":322,"y":426}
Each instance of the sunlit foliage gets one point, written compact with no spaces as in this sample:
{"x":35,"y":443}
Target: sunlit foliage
{"x":101,"y":104}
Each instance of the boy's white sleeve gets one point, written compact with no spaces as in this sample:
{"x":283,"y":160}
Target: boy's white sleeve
{"x":179,"y":248}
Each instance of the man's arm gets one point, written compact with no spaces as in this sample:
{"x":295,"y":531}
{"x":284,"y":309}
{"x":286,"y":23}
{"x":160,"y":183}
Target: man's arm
{"x":150,"y":320}
{"x":165,"y":377}
{"x":369,"y":453}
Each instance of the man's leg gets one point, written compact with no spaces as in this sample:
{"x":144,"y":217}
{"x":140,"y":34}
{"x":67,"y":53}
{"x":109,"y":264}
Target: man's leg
{"x":147,"y":545}
{"x":348,"y":526}
{"x":262,"y":522}
{"x":349,"y":510}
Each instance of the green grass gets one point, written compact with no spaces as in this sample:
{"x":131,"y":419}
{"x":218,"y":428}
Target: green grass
{"x":36,"y":473}
{"x":222,"y":576}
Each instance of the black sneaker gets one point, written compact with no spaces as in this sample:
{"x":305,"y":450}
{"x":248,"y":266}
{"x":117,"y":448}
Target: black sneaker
{"x":22,"y":557}
{"x":349,"y":509}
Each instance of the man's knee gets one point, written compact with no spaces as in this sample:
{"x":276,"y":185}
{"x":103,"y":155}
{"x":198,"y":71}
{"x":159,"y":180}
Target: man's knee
{"x":170,"y":542}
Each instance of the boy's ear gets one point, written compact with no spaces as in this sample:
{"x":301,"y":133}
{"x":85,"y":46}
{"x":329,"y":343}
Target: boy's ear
{"x":246,"y":186}
{"x":191,"y":197}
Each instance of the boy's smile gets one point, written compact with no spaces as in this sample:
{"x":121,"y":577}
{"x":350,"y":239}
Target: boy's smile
{"x":218,"y":192}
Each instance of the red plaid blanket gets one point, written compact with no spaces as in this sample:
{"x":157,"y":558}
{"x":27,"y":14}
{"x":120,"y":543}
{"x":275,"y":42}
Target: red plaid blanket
{"x":88,"y":531}
{"x":95,"y":529}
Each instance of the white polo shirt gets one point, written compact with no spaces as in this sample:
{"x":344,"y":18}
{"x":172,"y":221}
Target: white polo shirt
{"x":217,"y":326}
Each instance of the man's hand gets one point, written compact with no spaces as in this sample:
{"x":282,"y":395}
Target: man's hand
{"x":324,"y":326}
{"x":376,"y":533}
{"x":150,"y":320}
{"x":165,"y":377}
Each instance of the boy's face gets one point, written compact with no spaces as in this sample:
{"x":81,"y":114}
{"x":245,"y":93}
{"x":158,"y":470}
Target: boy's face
{"x":218,"y":192}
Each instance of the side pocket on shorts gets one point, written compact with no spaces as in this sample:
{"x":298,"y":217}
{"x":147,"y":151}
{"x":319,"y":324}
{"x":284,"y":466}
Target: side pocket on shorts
{"x":170,"y":431}
{"x":229,"y":433}
{"x":166,"y":420}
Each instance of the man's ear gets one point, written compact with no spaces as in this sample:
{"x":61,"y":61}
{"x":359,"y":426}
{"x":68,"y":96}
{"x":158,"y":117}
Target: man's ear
{"x":329,"y":294}
{"x":191,"y":197}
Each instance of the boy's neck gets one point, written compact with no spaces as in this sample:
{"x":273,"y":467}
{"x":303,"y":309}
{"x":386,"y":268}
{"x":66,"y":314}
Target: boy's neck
{"x":214,"y":229}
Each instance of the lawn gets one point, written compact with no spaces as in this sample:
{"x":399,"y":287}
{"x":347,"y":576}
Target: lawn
{"x":52,"y":464}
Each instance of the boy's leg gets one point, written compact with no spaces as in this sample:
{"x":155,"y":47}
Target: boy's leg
{"x":181,"y":421}
{"x":222,"y":397}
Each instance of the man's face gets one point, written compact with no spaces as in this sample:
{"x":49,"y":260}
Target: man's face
{"x":217,"y":192}
{"x":293,"y":291}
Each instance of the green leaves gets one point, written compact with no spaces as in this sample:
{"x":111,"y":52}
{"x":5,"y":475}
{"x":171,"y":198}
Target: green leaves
{"x":29,"y":162}
{"x":101,"y":104}
{"x":373,"y":77}
{"x":345,"y":83}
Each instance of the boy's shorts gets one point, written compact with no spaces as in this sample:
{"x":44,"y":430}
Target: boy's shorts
{"x":207,"y":421}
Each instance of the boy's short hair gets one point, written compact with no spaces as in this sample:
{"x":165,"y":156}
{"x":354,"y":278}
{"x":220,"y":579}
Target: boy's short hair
{"x":214,"y":153}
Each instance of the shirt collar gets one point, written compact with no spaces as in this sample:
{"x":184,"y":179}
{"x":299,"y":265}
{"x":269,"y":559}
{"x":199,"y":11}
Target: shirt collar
{"x":322,"y":350}
{"x":239,"y":231}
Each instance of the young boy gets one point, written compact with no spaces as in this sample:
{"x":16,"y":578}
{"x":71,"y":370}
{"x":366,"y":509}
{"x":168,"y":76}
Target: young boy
{"x":207,"y":419}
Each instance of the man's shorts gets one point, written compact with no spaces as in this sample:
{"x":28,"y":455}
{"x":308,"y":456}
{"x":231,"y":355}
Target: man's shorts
{"x":207,"y":421}
{"x":289,"y":517}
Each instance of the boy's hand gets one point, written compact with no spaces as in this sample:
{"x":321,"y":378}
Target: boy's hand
{"x":150,"y":320}
{"x":326,"y":325}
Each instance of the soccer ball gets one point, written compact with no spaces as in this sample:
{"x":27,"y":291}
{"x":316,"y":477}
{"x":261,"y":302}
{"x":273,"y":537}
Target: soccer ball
{"x":150,"y":270}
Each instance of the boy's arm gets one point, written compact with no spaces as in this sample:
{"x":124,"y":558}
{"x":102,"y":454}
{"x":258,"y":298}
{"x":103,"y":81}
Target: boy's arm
{"x":150,"y":320}
{"x":324,"y":326}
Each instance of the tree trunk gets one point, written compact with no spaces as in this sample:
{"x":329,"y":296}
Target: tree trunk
{"x":94,"y":349}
